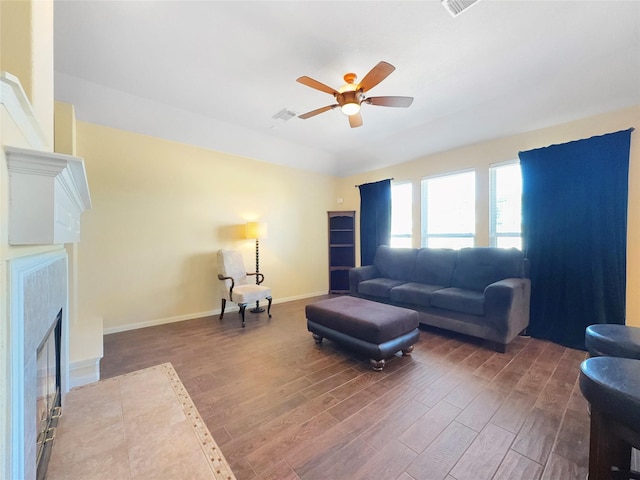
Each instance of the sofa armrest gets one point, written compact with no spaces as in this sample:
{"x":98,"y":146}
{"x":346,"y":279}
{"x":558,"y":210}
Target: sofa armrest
{"x":360,"y":274}
{"x":506,"y":305}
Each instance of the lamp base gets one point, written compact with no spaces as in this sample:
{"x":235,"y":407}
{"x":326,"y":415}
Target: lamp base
{"x":258,"y":308}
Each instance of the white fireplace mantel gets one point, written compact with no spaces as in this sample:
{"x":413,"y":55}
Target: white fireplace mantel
{"x":48,"y":193}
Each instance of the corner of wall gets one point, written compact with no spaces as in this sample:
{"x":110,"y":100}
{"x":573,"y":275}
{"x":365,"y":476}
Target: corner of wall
{"x":85,"y":351}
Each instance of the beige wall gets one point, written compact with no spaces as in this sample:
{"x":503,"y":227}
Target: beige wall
{"x":16,"y":46}
{"x":162,"y":209}
{"x":482,"y":155}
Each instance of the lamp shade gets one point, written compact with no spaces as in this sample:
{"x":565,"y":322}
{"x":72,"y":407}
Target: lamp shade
{"x":256,"y":230}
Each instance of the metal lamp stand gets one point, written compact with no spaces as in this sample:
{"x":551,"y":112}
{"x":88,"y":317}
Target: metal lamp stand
{"x":258,"y":309}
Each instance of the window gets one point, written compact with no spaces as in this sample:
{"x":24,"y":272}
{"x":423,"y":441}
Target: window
{"x":506,"y":206}
{"x":401,"y":215}
{"x":449,"y":210}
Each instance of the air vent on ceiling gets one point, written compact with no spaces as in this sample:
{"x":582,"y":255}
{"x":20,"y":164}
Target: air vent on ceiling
{"x":456,"y":7}
{"x":284,"y":115}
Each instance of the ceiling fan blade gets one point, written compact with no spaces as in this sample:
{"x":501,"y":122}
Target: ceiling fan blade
{"x":310,"y":82}
{"x":355,"y":120}
{"x":390,"y":101}
{"x":317,"y":111}
{"x":378,"y":73}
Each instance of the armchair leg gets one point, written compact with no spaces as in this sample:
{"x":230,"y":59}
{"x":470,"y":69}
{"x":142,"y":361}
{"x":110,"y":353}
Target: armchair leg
{"x":269,"y":307}
{"x":224,"y":304}
{"x":242,"y":307}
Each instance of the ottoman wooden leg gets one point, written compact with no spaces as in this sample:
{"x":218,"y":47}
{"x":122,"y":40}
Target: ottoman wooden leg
{"x":377,"y":365}
{"x":407,"y":351}
{"x":317,"y":338}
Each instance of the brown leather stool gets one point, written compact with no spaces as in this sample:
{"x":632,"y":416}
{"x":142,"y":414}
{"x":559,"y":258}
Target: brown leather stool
{"x":612,"y":386}
{"x":612,"y":341}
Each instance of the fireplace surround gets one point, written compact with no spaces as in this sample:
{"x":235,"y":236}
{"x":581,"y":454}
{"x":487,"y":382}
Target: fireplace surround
{"x":38,"y":292}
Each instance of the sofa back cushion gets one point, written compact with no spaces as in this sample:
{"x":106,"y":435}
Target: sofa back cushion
{"x":395,"y":263}
{"x":435,"y":266}
{"x":481,"y":266}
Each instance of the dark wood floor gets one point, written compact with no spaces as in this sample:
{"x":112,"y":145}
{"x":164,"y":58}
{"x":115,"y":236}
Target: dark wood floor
{"x":283,"y":408}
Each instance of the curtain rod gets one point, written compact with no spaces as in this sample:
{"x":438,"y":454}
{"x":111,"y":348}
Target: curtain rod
{"x":371,"y":182}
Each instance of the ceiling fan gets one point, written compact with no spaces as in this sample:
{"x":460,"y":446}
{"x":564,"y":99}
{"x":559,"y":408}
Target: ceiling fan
{"x":351,"y":95}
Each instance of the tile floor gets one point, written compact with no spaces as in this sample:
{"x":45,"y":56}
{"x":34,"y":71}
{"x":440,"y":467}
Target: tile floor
{"x":141,"y":425}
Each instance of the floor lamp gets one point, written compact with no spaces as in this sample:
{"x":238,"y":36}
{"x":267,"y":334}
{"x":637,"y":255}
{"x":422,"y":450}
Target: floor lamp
{"x":257,"y":230}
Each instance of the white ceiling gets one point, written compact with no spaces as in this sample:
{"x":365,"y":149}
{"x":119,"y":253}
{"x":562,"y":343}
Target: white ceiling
{"x":213,"y":73}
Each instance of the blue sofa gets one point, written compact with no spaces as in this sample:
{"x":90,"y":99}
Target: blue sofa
{"x":483,"y":292}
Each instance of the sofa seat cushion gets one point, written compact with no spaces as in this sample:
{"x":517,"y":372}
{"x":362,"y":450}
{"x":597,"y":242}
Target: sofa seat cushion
{"x":378,"y":287}
{"x":459,"y":300}
{"x":413,"y":293}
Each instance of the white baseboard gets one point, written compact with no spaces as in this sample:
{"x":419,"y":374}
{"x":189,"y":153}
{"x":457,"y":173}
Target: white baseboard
{"x":193,"y":316}
{"x":160,"y":321}
{"x":84,"y":372}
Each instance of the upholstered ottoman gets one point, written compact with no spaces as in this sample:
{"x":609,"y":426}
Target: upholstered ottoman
{"x":371,"y":328}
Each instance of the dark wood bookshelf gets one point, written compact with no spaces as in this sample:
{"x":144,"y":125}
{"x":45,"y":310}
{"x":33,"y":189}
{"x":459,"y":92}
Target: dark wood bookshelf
{"x":342,"y":249}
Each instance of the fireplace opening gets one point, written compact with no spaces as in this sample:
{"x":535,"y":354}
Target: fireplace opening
{"x":48,"y":400}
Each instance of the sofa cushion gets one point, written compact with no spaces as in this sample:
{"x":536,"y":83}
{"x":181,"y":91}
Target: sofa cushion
{"x":481,"y":266}
{"x":378,"y":287}
{"x":413,"y":293}
{"x":459,"y":300}
{"x":395,"y":263}
{"x":434,"y":266}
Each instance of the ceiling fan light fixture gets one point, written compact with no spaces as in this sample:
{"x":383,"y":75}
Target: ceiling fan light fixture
{"x":351,"y":95}
{"x":349,"y":101}
{"x":350,"y":108}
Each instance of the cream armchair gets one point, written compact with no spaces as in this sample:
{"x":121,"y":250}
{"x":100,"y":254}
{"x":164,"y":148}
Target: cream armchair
{"x":235,"y":285}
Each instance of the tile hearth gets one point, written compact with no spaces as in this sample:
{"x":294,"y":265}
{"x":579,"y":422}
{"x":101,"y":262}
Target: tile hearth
{"x":137,"y":426}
